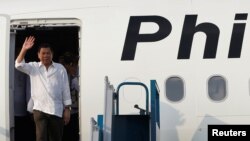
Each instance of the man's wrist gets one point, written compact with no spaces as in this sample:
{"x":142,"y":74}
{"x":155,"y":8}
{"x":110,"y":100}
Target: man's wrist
{"x":67,"y":107}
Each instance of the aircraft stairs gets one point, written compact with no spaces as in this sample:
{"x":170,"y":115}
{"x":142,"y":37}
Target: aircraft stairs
{"x":114,"y":127}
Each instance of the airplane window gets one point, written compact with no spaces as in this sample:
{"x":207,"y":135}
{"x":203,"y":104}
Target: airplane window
{"x":217,"y":88}
{"x":174,"y":89}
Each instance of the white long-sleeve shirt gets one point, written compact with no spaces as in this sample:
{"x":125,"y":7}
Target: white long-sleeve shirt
{"x":49,"y":88}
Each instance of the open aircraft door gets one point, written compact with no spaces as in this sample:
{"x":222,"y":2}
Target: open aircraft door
{"x":5,"y":125}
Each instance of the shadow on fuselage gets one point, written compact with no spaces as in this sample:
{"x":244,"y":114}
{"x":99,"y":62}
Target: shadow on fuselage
{"x":171,"y":119}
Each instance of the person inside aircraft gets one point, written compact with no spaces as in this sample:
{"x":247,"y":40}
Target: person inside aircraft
{"x":50,"y":91}
{"x":71,"y":130}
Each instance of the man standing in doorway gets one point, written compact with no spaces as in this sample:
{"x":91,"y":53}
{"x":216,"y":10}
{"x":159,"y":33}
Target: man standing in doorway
{"x":49,"y":91}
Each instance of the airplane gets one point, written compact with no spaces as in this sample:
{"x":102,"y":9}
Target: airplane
{"x":197,"y":51}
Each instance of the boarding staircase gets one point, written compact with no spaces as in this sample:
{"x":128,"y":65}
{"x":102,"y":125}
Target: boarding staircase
{"x":111,"y":126}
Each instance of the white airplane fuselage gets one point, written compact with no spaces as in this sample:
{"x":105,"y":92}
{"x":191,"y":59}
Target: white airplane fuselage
{"x":141,"y":41}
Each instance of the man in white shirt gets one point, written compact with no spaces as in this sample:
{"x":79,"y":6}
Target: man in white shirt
{"x":49,"y":91}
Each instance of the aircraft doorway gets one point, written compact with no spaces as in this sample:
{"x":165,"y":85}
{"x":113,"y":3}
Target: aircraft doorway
{"x":63,"y":35}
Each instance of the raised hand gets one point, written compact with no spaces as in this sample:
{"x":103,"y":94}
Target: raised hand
{"x":29,"y":42}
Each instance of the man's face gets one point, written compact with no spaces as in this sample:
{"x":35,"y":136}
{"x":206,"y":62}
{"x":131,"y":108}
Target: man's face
{"x":45,"y":55}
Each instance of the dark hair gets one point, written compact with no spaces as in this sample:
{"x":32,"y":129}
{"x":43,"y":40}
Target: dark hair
{"x":45,"y":45}
{"x":69,"y":58}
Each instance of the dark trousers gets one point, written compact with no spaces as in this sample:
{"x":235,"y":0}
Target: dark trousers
{"x":71,"y":130}
{"x":48,"y":127}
